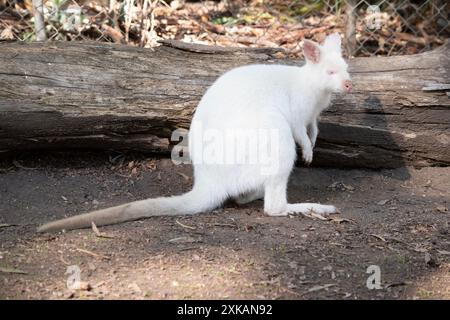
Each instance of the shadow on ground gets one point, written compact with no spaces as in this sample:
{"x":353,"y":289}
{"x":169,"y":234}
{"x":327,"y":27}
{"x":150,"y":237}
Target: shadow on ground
{"x":397,"y":222}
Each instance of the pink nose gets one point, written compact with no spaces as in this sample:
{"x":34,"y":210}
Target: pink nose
{"x":348,"y":85}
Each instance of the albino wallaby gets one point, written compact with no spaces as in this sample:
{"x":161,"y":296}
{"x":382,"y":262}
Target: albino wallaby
{"x":283,"y":100}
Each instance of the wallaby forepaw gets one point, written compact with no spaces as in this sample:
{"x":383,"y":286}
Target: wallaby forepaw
{"x":308,"y":156}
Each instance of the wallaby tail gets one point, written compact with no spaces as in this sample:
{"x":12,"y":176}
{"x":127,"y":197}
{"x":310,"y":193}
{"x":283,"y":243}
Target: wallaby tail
{"x":194,"y":201}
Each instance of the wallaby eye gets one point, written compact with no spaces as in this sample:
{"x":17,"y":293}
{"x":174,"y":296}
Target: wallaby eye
{"x":331,"y":72}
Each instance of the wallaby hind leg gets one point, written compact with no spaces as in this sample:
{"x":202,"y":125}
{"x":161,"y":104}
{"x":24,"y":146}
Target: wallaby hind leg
{"x":275,"y":202}
{"x":249,"y":197}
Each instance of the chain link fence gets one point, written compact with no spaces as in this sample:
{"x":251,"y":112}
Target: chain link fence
{"x":370,"y":27}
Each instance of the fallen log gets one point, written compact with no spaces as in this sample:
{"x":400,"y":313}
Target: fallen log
{"x":67,"y":95}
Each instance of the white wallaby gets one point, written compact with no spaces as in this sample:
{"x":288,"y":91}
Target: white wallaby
{"x":285,"y":101}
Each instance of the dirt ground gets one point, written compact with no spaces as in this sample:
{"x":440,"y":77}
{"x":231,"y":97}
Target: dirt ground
{"x":397,"y":220}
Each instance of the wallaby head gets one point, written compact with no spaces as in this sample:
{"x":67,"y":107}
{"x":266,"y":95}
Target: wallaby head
{"x":327,"y":63}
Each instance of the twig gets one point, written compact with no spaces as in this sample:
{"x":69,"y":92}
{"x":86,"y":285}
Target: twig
{"x":122,"y":175}
{"x":314,"y":216}
{"x":397,"y":284}
{"x":64,"y":261}
{"x":96,"y":255}
{"x":185,"y":240}
{"x":187,"y":249}
{"x":6,"y":225}
{"x":185,"y":226}
{"x":99,"y":284}
{"x":318,"y":288}
{"x":11,"y":270}
{"x":39,"y":24}
{"x":128,"y":18}
{"x":144,"y":18}
{"x":115,"y":19}
{"x":18,"y":165}
{"x":350,"y":26}
{"x":292,"y":292}
{"x":226,"y":225}
{"x":378,"y":237}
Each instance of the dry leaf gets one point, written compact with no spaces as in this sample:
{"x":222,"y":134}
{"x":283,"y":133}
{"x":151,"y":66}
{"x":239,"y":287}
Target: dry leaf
{"x":135,"y":288}
{"x":340,"y":220}
{"x":7,"y":33}
{"x":82,"y":286}
{"x":318,"y":216}
{"x":430,"y":260}
{"x":98,"y":233}
{"x":442,"y":209}
{"x":95,"y":229}
{"x":340,"y":186}
{"x":186,"y":177}
{"x":151,"y":164}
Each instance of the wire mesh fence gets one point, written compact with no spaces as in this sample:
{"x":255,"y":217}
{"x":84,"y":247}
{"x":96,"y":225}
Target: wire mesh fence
{"x":370,"y":27}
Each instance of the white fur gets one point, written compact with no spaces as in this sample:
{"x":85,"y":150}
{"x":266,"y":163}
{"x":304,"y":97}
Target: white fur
{"x":287,"y":99}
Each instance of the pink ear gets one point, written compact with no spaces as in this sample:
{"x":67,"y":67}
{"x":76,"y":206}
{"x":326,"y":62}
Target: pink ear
{"x":311,"y":51}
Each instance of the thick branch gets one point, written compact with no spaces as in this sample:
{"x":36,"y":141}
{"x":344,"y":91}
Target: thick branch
{"x":66,"y":95}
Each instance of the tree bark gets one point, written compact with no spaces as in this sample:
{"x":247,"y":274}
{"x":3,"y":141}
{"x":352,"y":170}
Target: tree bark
{"x":65,"y":95}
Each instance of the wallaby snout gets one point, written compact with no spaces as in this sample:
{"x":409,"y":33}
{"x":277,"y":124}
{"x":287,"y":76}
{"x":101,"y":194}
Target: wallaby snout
{"x":348,"y":86}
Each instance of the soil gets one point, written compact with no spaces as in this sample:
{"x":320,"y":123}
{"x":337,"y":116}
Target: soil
{"x":396,"y":220}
